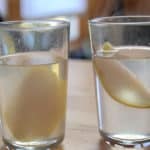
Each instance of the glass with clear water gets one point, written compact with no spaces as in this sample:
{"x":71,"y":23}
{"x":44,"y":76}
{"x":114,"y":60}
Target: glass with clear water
{"x":121,"y":61}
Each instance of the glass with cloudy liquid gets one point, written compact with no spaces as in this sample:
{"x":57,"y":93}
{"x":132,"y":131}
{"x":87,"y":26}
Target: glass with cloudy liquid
{"x":33,"y":79}
{"x":121,"y":61}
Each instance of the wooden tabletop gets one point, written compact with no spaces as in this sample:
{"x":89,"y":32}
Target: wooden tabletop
{"x":81,"y":130}
{"x":81,"y":124}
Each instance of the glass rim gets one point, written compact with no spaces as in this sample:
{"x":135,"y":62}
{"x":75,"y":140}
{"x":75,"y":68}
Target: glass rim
{"x":124,"y":20}
{"x":32,"y":25}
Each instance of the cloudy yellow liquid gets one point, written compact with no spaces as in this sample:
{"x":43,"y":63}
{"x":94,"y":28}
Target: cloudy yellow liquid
{"x":33,"y":95}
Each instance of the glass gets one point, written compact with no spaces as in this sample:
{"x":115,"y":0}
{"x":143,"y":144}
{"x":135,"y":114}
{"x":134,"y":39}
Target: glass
{"x":121,"y":61}
{"x":33,"y":79}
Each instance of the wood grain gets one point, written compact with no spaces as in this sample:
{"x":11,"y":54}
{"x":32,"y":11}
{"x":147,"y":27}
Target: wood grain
{"x":13,"y":7}
{"x":81,"y":132}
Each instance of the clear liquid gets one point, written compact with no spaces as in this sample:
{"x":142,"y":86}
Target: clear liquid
{"x":34,"y":87}
{"x":120,"y":121}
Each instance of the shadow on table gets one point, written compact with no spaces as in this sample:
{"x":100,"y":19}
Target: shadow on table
{"x":60,"y":147}
{"x":105,"y":146}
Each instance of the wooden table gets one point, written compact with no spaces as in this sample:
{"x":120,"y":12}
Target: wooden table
{"x":82,"y":131}
{"x":81,"y":126}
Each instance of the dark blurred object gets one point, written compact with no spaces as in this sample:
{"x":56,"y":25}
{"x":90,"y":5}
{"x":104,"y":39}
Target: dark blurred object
{"x":1,"y":18}
{"x":118,"y":8}
{"x":84,"y":52}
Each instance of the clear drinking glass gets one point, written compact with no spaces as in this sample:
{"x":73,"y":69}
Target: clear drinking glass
{"x":121,"y":61}
{"x":33,"y":82}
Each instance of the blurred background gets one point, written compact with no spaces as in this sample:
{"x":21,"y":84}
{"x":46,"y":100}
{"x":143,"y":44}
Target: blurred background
{"x":78,"y":12}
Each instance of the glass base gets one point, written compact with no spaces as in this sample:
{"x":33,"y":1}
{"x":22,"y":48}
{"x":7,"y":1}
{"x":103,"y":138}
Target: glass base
{"x":134,"y":141}
{"x":38,"y":145}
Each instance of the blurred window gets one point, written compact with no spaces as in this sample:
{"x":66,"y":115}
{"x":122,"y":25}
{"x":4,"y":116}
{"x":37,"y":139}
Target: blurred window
{"x":65,"y":9}
{"x":46,"y":8}
{"x":3,"y":8}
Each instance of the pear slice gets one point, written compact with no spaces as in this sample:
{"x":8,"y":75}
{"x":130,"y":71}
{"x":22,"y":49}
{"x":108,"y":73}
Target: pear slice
{"x":121,"y":84}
